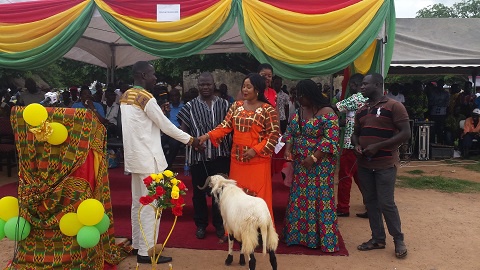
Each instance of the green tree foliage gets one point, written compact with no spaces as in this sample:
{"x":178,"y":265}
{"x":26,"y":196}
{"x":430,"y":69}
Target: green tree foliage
{"x":66,"y":72}
{"x":171,"y":70}
{"x":463,"y":9}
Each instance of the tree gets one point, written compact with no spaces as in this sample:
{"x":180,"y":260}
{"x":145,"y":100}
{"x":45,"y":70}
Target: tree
{"x":171,"y":70}
{"x":463,"y":9}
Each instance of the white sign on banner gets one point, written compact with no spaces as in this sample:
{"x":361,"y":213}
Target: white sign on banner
{"x":168,"y":13}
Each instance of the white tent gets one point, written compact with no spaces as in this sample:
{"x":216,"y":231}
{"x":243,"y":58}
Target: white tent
{"x":101,"y":46}
{"x":436,"y":46}
{"x":422,"y":46}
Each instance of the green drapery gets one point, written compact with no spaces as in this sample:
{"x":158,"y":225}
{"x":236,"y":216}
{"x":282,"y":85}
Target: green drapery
{"x":52,"y":50}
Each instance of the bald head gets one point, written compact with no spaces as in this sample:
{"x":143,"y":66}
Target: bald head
{"x":144,"y":75}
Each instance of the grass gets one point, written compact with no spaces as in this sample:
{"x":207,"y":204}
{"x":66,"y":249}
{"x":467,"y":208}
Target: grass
{"x":473,"y":167}
{"x":443,"y":184}
{"x":416,"y":172}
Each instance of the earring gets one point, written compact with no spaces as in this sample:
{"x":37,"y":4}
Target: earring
{"x":257,"y":94}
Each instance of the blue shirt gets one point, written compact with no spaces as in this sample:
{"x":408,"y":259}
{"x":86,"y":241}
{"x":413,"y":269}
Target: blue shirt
{"x":98,"y":106}
{"x":174,"y":112}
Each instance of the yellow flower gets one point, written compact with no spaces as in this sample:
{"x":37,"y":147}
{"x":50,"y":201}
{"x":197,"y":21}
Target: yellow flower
{"x":175,"y":189}
{"x":159,"y":178}
{"x":174,"y":181}
{"x":153,"y":176}
{"x":175,"y":195}
{"x":168,"y":173}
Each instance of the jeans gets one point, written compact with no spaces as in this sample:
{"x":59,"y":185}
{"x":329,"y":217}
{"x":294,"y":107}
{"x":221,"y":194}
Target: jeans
{"x":378,"y":188}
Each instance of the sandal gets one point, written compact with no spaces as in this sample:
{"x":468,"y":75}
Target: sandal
{"x":400,"y":249}
{"x":371,"y":244}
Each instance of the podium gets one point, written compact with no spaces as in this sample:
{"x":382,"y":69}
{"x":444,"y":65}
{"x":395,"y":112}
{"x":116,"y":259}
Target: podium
{"x":423,"y":133}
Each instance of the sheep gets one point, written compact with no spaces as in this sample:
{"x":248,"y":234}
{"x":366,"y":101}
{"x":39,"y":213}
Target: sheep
{"x":243,"y":217}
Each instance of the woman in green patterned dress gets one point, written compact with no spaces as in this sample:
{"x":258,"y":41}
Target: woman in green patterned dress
{"x":312,"y":140}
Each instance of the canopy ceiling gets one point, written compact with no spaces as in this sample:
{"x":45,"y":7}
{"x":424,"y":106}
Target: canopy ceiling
{"x":436,"y":46}
{"x":99,"y":43}
{"x":300,"y":39}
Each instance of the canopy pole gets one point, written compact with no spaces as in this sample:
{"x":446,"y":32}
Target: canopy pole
{"x":474,"y":80}
{"x":383,"y":41}
{"x":112,"y":64}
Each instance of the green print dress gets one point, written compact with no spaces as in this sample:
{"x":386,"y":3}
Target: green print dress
{"x":310,"y":218}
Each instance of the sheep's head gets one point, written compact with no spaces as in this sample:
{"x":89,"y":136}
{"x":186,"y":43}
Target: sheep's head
{"x":217,"y":183}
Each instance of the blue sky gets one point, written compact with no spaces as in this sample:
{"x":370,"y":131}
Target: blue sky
{"x":409,"y":8}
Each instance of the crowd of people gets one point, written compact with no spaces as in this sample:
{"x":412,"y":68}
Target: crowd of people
{"x":238,"y":136}
{"x":444,"y":106}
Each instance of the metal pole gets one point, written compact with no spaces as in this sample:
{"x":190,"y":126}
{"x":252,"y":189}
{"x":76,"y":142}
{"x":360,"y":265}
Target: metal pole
{"x":112,"y":63}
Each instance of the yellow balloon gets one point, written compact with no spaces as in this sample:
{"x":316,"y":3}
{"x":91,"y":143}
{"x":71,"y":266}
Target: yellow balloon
{"x":59,"y":134}
{"x":8,"y":208}
{"x":70,"y":225}
{"x":34,"y":114}
{"x":90,"y":212}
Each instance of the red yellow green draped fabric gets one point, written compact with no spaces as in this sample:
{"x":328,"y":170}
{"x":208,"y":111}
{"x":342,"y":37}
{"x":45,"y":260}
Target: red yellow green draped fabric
{"x":300,"y":39}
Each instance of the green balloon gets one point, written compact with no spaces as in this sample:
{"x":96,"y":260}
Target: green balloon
{"x":88,"y":236}
{"x":17,"y":228}
{"x":2,"y":228}
{"x":103,"y":225}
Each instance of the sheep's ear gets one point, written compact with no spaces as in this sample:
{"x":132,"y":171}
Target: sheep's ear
{"x":223,"y":175}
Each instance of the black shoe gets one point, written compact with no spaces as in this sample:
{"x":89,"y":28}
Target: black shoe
{"x":362,"y":215}
{"x":220,"y":233}
{"x":342,"y":214}
{"x":146,"y":259}
{"x":200,"y":233}
{"x":135,"y":251}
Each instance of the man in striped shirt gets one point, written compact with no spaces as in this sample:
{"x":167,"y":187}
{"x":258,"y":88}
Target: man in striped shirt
{"x":197,"y":117}
{"x":380,"y":127}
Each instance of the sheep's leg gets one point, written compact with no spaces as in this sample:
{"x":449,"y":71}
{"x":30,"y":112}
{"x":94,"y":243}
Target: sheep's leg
{"x":242,"y":256}
{"x":252,"y":263}
{"x":273,"y":259}
{"x":229,"y":259}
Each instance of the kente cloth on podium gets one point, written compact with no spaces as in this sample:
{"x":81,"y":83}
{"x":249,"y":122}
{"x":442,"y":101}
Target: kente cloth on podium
{"x":53,"y":181}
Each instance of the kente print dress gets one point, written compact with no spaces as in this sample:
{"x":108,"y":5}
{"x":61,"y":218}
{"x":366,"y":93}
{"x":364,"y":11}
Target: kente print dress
{"x":310,"y":218}
{"x":256,"y":129}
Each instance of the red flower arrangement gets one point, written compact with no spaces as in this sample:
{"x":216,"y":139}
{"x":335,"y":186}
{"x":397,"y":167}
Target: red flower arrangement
{"x":165,"y":191}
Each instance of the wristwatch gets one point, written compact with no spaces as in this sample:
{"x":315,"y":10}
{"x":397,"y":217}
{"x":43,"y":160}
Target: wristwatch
{"x":314,"y":158}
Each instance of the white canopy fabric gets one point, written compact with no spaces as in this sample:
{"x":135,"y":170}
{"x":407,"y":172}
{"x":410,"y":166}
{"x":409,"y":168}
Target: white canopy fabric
{"x":437,"y":43}
{"x":101,"y":46}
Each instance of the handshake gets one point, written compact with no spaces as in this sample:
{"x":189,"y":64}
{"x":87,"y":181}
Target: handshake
{"x":199,"y":143}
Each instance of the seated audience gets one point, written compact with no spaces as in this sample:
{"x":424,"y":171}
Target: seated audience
{"x":85,"y":101}
{"x":32,"y":95}
{"x":471,"y":131}
{"x":112,"y":114}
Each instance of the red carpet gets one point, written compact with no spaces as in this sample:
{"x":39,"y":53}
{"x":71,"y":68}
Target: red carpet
{"x":183,"y":235}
